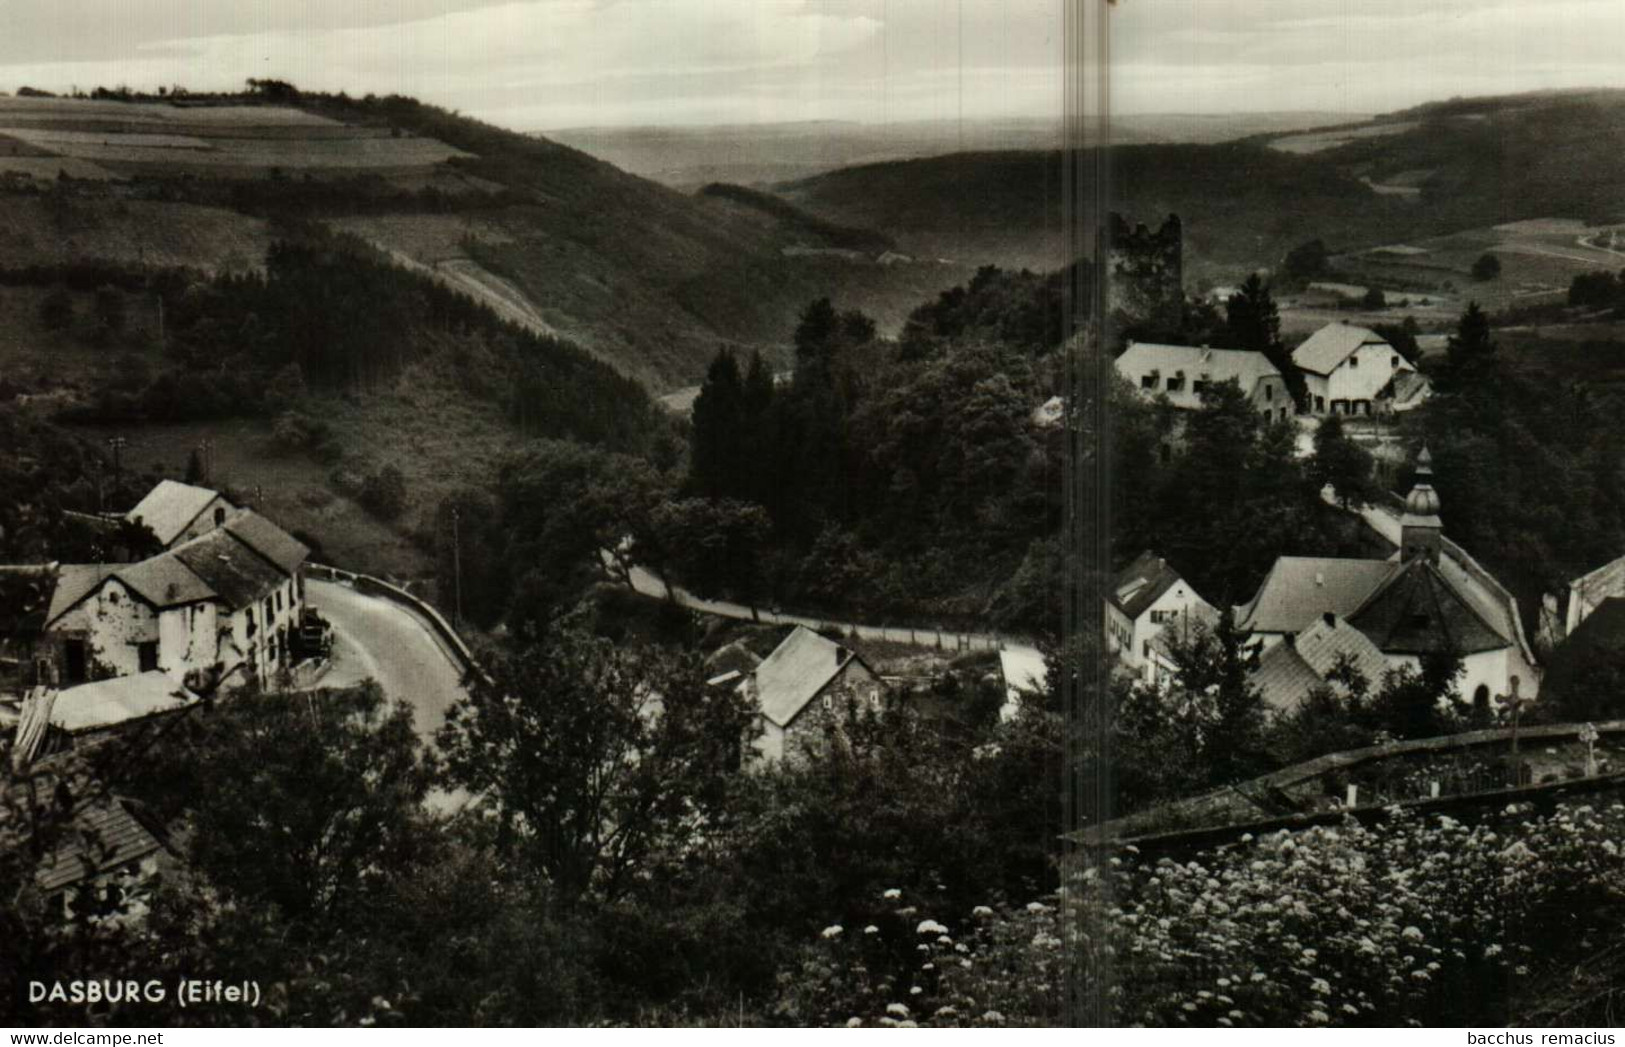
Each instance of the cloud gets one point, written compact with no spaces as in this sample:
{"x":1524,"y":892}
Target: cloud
{"x":552,"y":63}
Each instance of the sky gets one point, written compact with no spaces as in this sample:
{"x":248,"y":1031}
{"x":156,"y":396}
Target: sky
{"x":552,"y":64}
{"x":1354,"y":56}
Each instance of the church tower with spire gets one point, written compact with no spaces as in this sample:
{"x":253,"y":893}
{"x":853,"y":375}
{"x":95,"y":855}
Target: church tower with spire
{"x":1420,"y":529}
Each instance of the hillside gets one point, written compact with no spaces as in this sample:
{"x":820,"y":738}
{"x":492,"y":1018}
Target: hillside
{"x":645,"y":278}
{"x":1006,"y":208}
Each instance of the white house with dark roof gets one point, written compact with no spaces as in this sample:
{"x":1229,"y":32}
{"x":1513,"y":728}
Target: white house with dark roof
{"x":1149,"y":598}
{"x":1181,"y":372}
{"x":225,"y":597}
{"x":177,"y":512}
{"x":1347,"y":369}
{"x":1430,"y":597}
{"x":807,"y":689}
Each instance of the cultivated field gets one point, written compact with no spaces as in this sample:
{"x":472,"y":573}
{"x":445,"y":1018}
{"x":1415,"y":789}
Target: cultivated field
{"x":130,"y":139}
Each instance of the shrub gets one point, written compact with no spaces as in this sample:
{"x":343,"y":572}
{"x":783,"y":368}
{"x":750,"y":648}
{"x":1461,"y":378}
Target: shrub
{"x":384,"y":493}
{"x":1406,"y":921}
{"x":1488,"y":267}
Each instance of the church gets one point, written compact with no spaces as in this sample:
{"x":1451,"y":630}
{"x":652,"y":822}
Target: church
{"x":1430,"y":597}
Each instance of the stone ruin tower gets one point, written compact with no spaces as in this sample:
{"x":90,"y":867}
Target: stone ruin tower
{"x":1145,"y":272}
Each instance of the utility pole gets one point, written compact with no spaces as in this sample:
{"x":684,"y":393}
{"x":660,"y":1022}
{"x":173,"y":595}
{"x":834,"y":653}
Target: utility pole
{"x":457,"y":563}
{"x":117,"y":443}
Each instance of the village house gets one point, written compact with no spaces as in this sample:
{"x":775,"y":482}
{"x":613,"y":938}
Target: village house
{"x":1181,"y":372}
{"x":178,"y":512}
{"x":216,"y":607}
{"x":1289,"y":670}
{"x":1148,"y":600}
{"x":1430,"y":597}
{"x":104,"y":863}
{"x":1353,"y":370}
{"x":808,"y":689}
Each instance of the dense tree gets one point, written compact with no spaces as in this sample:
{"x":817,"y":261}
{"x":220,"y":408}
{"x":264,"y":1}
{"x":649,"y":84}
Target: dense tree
{"x":596,"y":760}
{"x":1341,"y":463}
{"x":110,"y":309}
{"x":1374,"y":298}
{"x":1252,"y":321}
{"x":56,"y":309}
{"x":720,"y":449}
{"x":383,"y":492}
{"x":715,"y":546}
{"x":1304,"y":263}
{"x":1486,"y":267}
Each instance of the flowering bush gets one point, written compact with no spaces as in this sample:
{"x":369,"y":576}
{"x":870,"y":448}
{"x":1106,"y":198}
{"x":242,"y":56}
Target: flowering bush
{"x":997,"y":967}
{"x":1406,"y":921}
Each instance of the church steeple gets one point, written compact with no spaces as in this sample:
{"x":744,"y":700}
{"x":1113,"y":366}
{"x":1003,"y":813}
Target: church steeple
{"x":1420,"y":529}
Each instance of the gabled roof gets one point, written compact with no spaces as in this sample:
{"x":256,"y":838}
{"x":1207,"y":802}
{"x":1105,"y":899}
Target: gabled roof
{"x":1597,"y":585}
{"x":1324,"y":644}
{"x":75,"y":581}
{"x":1283,"y":677}
{"x":1246,"y":366}
{"x":270,"y":541}
{"x":104,"y":835}
{"x":170,"y":507}
{"x":1299,"y":589}
{"x":1418,"y":611}
{"x":122,"y":699}
{"x":230,"y":569}
{"x":1141,"y":584}
{"x":1332,"y":344}
{"x":796,"y":671}
{"x":164,"y":581}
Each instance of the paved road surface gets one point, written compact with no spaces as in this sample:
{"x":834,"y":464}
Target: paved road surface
{"x":378,"y":638}
{"x":1022,"y":654}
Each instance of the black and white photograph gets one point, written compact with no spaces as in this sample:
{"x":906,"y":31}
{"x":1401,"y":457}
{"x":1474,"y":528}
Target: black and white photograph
{"x":639,"y":515}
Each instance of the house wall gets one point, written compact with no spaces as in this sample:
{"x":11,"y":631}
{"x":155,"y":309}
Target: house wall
{"x":855,"y":689}
{"x":1492,"y":670}
{"x":1180,"y":601}
{"x":204,"y":522}
{"x":1271,"y":399}
{"x":112,"y":621}
{"x":1359,"y":378}
{"x":189,"y":639}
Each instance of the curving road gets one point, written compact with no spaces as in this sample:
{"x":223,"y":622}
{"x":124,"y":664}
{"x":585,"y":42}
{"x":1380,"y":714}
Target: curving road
{"x":382,"y":640}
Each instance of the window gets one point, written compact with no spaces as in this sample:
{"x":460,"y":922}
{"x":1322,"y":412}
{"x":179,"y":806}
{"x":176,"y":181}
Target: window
{"x":1481,"y":697}
{"x":1198,"y":385}
{"x":1163,"y":617}
{"x":1145,"y":648}
{"x":1177,"y":382}
{"x":1149,"y":381}
{"x":279,"y":601}
{"x":1269,"y":392}
{"x":1320,"y":403}
{"x":874,"y":697}
{"x":147,"y":656}
{"x":829,"y":703}
{"x":1354,"y":363}
{"x":1393,"y":361}
{"x":219,"y":515}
